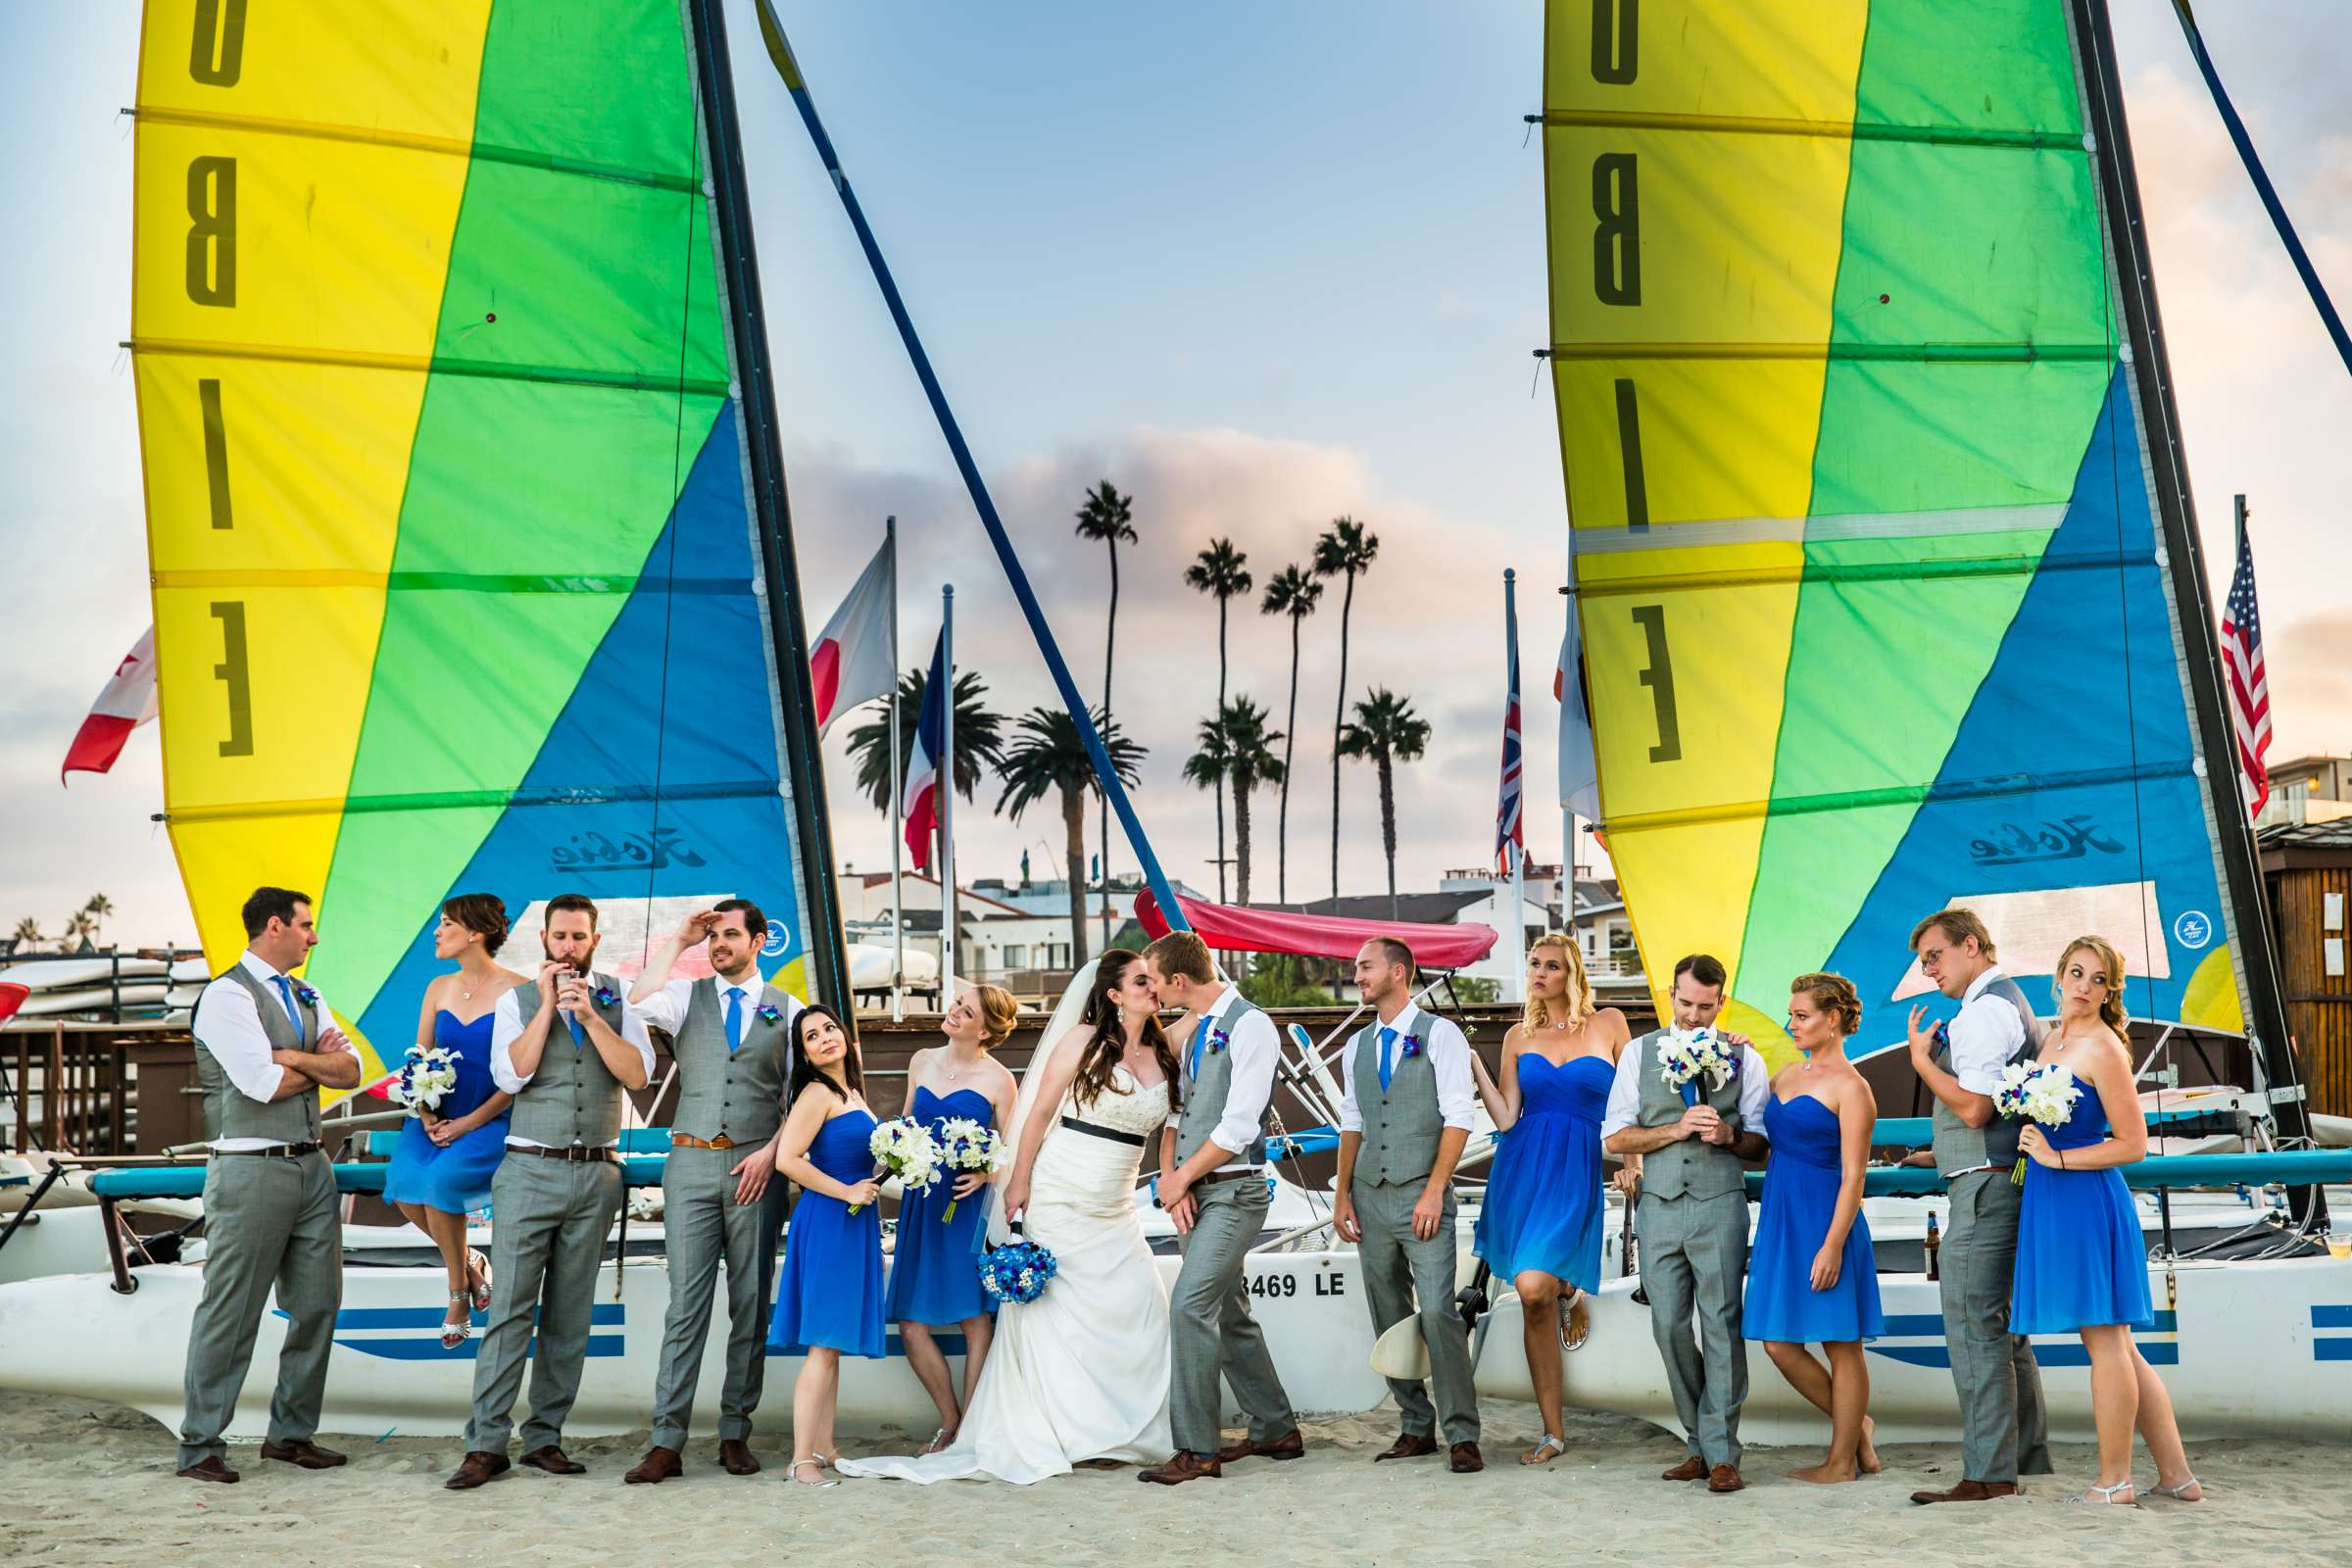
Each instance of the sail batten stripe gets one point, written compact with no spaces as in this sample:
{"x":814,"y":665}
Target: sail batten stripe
{"x":2015,"y":785}
{"x":437,"y":365}
{"x":574,"y":795}
{"x":452,"y":581}
{"x":1844,"y":352}
{"x":2008,"y":566}
{"x":2015,"y":140}
{"x":415,"y":141}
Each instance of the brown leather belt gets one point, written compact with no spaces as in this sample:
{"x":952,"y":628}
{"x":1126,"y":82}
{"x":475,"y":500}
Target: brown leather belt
{"x":689,"y":1141}
{"x":1216,"y":1176}
{"x":577,"y":1153}
{"x":276,"y":1150}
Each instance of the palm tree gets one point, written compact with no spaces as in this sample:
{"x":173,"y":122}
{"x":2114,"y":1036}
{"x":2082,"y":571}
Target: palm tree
{"x":81,"y":927}
{"x":1345,"y":550}
{"x":1220,"y":571}
{"x":979,"y":736}
{"x":1047,"y":755}
{"x":28,"y":934}
{"x":99,"y":908}
{"x":1237,"y":749}
{"x":1110,"y":516}
{"x":1292,"y":593}
{"x":1386,"y":731}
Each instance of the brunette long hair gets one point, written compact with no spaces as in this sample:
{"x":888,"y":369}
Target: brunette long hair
{"x":805,"y":1072}
{"x":1109,"y":1042}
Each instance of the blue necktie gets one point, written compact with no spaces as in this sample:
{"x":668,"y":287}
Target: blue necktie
{"x":734,"y":1018}
{"x":1388,"y":1038}
{"x":285,"y":993}
{"x":1199,"y":1039}
{"x":580,"y":1036}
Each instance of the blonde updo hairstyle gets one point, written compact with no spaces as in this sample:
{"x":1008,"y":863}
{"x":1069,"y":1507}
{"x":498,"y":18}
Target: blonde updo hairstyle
{"x":2111,"y":964}
{"x":998,"y":1013}
{"x":1833,"y":993}
{"x":1578,"y":1002}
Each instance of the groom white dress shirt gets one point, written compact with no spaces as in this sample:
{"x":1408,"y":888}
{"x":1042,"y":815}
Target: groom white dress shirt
{"x":666,"y":1008}
{"x":232,"y":1033}
{"x":509,"y":1028}
{"x":1448,"y":1061}
{"x":1256,"y":1049}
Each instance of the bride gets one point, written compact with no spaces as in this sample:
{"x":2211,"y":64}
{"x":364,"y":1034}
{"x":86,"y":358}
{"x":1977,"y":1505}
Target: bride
{"x":1082,"y":1372}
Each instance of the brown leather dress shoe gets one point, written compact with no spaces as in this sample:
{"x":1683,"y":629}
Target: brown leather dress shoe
{"x":1466,"y":1459}
{"x":658,"y":1465}
{"x":553,"y":1461}
{"x":306,"y":1454}
{"x":735,"y":1458}
{"x":1185,"y":1466}
{"x":478,"y":1467}
{"x":1692,"y":1468}
{"x":215,"y":1469}
{"x":1970,"y":1491}
{"x":1725,"y":1478}
{"x":1290,"y":1446}
{"x":1406,"y":1447}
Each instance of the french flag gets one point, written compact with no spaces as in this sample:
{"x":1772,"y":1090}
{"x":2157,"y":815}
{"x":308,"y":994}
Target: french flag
{"x":921,"y":799}
{"x":848,"y":663}
{"x":127,"y":702}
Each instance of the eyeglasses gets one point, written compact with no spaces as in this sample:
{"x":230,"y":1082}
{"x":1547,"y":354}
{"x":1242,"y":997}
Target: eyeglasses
{"x":1930,"y":958}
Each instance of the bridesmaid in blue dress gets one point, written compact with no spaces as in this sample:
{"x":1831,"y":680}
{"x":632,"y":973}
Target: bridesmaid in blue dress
{"x":442,"y":1164}
{"x":935,"y":1273}
{"x":1540,"y":1223}
{"x":829,"y":1292}
{"x":2082,"y":1264}
{"x":1811,"y":1276}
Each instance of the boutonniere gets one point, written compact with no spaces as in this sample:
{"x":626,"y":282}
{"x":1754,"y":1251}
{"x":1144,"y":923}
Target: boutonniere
{"x":1943,"y":1037}
{"x":305,"y":995}
{"x":1413,"y":1046}
{"x":605,"y":997}
{"x":1217,"y":1040}
{"x":769,"y":1012}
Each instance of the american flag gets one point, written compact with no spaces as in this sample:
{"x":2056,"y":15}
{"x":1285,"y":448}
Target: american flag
{"x":1510,"y":826}
{"x":2249,"y":682}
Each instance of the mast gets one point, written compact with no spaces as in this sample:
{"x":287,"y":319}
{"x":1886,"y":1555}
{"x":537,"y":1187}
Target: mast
{"x":2184,"y":559}
{"x":755,"y":407}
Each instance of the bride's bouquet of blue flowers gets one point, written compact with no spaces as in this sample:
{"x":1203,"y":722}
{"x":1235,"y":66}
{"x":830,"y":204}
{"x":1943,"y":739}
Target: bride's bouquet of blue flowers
{"x":903,"y":1147}
{"x":1017,"y":1271}
{"x":966,"y":1145}
{"x":428,"y":1073}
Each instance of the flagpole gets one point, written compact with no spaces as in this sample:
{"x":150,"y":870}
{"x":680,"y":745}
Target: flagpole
{"x":1516,"y":987}
{"x":946,"y":788}
{"x":898,"y":784}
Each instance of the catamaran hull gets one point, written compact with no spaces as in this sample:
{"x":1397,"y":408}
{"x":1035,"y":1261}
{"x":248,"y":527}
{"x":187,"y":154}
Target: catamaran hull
{"x":74,"y":1335}
{"x":2246,"y":1350}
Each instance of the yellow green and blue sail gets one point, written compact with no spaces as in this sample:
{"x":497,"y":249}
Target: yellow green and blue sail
{"x":458,"y":583}
{"x":1870,"y":581}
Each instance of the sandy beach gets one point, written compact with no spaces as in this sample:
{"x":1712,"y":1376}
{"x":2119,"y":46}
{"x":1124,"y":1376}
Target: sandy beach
{"x":92,"y":1484}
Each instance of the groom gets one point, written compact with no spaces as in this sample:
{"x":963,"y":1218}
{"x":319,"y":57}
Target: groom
{"x":1212,"y":1184}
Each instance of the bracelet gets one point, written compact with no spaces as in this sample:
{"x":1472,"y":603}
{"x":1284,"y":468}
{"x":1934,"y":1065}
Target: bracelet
{"x":2061,"y":1160}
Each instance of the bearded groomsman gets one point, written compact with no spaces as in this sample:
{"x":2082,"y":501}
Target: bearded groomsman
{"x":2002,"y":1429}
{"x":566,"y":1045}
{"x":266,"y":1046}
{"x":1693,"y":1214}
{"x":732,"y":1037}
{"x":1405,"y":1111}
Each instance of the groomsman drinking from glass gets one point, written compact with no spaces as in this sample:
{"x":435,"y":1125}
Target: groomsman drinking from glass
{"x":564,"y":1046}
{"x":732,"y":1037}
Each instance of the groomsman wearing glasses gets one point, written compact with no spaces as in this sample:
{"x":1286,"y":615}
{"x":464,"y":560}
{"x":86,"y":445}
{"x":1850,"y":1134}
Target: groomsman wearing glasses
{"x":566,"y":1045}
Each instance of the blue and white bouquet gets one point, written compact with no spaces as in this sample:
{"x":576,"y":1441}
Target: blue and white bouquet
{"x":429,"y":1073}
{"x":2043,"y":1093}
{"x":1017,"y":1272}
{"x":906,"y":1149}
{"x":1686,"y":1059}
{"x":966,"y":1145}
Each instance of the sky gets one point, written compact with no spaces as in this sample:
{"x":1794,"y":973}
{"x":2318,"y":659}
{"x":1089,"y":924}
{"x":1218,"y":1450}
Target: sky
{"x":1261,"y":266}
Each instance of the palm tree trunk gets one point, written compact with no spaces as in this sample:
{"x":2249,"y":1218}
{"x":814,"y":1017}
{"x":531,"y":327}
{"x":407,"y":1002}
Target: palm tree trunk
{"x":1111,"y":632}
{"x":1241,"y":837}
{"x":1219,"y":791}
{"x":1073,"y":827}
{"x":1282,"y":822}
{"x":1388,"y":824}
{"x":1339,"y":723}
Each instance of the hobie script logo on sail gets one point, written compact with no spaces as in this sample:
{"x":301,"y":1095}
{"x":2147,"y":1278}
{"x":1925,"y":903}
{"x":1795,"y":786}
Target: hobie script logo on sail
{"x":635,"y":852}
{"x":2066,"y":839}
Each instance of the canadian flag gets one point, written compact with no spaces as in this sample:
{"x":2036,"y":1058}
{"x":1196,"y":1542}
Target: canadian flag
{"x":848,"y":663}
{"x":127,"y":702}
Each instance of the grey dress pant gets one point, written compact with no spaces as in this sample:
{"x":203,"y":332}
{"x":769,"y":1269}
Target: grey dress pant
{"x":704,"y":1226}
{"x":1399,"y":1268}
{"x":1694,"y":1265}
{"x":549,"y":1220}
{"x":2003,"y":1431}
{"x":1210,"y":1328}
{"x":269,"y":1221}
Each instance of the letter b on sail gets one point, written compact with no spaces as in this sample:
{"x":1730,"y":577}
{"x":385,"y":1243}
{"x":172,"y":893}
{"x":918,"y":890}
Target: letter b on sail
{"x":213,"y":231}
{"x":1617,"y":235}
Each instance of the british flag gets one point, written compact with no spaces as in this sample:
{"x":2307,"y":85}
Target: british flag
{"x":1510,"y":824}
{"x":2249,"y":682}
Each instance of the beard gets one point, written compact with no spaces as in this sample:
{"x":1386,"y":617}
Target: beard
{"x":576,"y":965}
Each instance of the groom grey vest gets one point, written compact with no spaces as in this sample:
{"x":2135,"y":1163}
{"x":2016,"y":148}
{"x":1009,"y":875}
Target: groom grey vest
{"x":1960,"y":1147}
{"x":1205,"y":1097}
{"x":1690,"y":1167}
{"x":228,"y":1111}
{"x":573,"y":1098}
{"x":1401,"y":1124}
{"x":739,"y":1093}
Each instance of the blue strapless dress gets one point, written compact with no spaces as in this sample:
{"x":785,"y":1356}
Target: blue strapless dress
{"x":455,"y":1180}
{"x":1543,"y":1207}
{"x":935,"y":1273}
{"x":829,"y":1290}
{"x":1800,"y":1195}
{"x":2080,"y":1256}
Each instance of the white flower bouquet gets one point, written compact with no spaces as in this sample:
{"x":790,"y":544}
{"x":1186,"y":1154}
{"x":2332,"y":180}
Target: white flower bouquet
{"x":1684,"y":1060}
{"x":428,"y":1074}
{"x":903,"y":1147}
{"x":2041,"y":1092}
{"x":966,"y":1145}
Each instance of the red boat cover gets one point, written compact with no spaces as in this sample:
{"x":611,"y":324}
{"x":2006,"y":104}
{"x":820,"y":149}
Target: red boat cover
{"x":1316,"y":936}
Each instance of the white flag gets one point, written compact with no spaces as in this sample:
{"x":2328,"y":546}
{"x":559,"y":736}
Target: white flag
{"x":848,"y":663}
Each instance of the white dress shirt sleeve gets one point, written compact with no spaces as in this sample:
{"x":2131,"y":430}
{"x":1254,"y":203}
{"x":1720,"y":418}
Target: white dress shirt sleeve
{"x":1984,"y":1036}
{"x":1756,"y":1087}
{"x":1352,"y":1119}
{"x":505,"y":1027}
{"x":1625,"y":1091}
{"x":666,"y":1008}
{"x":633,"y":1030}
{"x":1449,"y":1064}
{"x":1256,"y":1051}
{"x":231,"y":1030}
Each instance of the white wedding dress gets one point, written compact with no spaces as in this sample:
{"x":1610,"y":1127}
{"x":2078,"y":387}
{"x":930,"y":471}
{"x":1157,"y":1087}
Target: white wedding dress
{"x":1082,"y":1372}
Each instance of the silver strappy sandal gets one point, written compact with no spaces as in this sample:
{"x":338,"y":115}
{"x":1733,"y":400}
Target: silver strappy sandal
{"x":2106,"y":1494}
{"x":457,"y":1333}
{"x":2180,"y":1493}
{"x":814,"y":1465}
{"x":1544,"y":1451}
